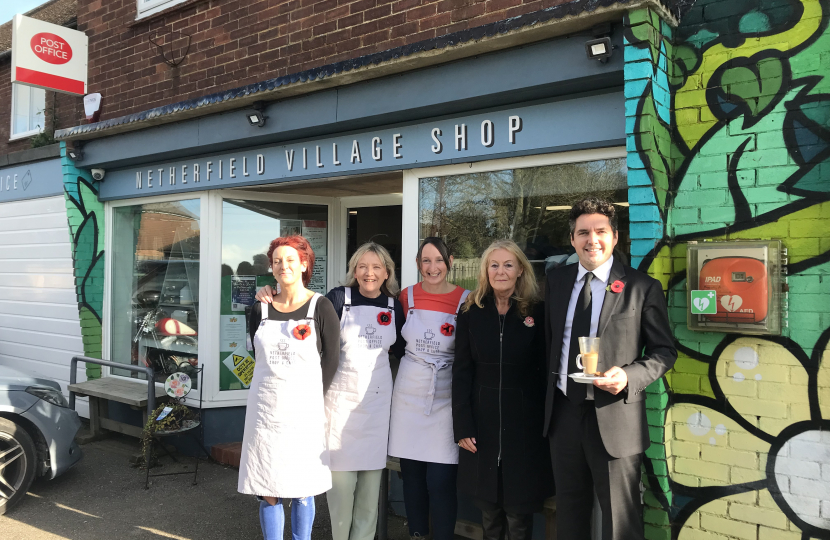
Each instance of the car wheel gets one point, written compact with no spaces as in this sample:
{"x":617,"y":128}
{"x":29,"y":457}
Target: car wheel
{"x":18,"y":460}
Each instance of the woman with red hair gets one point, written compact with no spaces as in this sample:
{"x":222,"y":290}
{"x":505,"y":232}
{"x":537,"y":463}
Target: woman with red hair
{"x":297,"y":347}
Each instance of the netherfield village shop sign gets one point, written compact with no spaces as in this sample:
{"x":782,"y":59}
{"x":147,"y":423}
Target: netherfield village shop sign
{"x":552,"y":126}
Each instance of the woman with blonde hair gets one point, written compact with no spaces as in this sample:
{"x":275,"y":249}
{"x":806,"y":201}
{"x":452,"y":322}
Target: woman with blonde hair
{"x":498,"y":395}
{"x":359,"y":399}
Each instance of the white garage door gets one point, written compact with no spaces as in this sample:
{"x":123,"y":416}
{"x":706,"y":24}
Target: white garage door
{"x":39,"y":327}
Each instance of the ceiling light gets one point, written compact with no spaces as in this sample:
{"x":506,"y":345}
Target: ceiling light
{"x":557,"y":208}
{"x":621,"y":203}
{"x":353,"y":212}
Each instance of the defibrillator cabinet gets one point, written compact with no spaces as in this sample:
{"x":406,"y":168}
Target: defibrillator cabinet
{"x":735,"y":286}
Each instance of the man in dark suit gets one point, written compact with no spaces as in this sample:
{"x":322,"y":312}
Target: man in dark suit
{"x":598,"y":432}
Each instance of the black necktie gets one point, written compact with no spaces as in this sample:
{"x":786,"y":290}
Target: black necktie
{"x":581,"y":327}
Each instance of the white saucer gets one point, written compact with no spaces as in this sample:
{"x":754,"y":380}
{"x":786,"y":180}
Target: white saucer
{"x":587,"y":379}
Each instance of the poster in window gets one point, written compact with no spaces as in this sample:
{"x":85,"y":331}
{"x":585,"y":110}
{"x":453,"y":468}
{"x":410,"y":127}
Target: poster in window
{"x":291,"y":226}
{"x":318,"y":277}
{"x":243,"y":292}
{"x":315,"y":233}
{"x":241,"y":364}
{"x":232,"y":331}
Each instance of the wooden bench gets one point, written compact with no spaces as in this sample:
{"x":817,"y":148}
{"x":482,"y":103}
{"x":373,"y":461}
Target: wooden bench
{"x":474,"y":531}
{"x":136,"y":394}
{"x":121,"y":390}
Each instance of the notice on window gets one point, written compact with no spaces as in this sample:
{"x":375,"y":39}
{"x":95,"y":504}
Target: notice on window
{"x":243,"y":292}
{"x":232,"y":332}
{"x":318,"y":277}
{"x":241,"y":364}
{"x":291,"y":226}
{"x":315,"y":233}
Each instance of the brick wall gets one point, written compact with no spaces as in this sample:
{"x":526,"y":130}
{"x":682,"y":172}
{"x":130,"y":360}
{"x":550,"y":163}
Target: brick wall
{"x":739,"y":150}
{"x":237,"y":42}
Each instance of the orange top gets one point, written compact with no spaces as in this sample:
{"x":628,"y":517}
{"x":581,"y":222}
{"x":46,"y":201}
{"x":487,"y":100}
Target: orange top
{"x":442,"y":303}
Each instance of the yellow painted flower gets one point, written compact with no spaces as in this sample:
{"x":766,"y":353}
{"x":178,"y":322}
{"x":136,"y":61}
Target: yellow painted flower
{"x":754,"y":461}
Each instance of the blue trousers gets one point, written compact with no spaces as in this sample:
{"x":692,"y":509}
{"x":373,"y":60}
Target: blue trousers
{"x":272,"y":519}
{"x":429,"y":489}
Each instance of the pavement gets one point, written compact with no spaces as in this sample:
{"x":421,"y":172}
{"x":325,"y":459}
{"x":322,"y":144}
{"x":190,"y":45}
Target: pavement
{"x":103,"y":496}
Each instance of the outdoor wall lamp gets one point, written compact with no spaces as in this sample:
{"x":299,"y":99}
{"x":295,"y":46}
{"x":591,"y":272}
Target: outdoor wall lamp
{"x":75,"y":152}
{"x":255,"y":115}
{"x":599,"y":49}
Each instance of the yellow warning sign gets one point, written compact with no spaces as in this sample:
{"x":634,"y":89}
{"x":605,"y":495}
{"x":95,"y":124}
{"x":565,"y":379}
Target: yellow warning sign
{"x":241,"y":364}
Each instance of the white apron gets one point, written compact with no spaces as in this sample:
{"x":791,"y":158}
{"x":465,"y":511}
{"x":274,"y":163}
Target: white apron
{"x":359,"y":398}
{"x":284,"y":446}
{"x":421,"y":424}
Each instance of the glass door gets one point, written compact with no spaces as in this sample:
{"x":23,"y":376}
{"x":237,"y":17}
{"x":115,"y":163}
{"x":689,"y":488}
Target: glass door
{"x":376,"y":218}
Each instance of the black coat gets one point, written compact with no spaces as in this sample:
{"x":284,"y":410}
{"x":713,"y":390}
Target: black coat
{"x":498,"y":388}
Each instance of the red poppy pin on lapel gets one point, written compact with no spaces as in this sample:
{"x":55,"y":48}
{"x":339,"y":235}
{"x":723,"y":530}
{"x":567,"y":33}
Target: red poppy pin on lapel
{"x":616,"y":287}
{"x":529,"y":322}
{"x":384,"y":318}
{"x":301,"y":331}
{"x":447,"y":329}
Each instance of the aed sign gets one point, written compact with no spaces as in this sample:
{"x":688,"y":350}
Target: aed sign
{"x":48,"y":56}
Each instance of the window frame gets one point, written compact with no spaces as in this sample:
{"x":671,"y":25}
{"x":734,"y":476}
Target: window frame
{"x":16,"y":87}
{"x":106,"y":317}
{"x":155,"y":6}
{"x":214,"y":397}
{"x":411,"y":190}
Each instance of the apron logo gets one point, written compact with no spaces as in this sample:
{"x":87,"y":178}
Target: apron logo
{"x":370,"y":329}
{"x":301,"y":331}
{"x":447,"y":329}
{"x":282,"y":345}
{"x":384,"y":318}
{"x":429,"y":335}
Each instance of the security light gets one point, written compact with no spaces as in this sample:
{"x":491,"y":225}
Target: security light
{"x":255,"y":114}
{"x":74,"y":152}
{"x":599,"y":49}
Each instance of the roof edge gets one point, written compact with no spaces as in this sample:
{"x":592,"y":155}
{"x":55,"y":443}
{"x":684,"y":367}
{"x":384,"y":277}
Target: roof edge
{"x":549,"y":23}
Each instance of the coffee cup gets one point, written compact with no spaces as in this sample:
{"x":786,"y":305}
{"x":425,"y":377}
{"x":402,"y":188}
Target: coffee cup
{"x":588,"y":358}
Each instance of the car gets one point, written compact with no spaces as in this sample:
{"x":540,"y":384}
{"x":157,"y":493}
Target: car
{"x":37,"y":433}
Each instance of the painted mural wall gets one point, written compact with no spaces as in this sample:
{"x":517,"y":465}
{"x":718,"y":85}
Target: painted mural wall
{"x":728,"y":134}
{"x":85,"y":214}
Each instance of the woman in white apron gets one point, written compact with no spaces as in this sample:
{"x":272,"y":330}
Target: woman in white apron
{"x":359,"y":398}
{"x":421,"y":428}
{"x":284,"y":453}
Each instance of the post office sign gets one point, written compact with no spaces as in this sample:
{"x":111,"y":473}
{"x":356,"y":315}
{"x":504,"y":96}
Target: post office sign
{"x":49,"y":56}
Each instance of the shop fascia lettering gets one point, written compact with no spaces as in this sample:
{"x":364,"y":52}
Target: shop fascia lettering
{"x":311,"y":157}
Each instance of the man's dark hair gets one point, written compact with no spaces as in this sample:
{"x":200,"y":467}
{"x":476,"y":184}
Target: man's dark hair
{"x":593,"y":205}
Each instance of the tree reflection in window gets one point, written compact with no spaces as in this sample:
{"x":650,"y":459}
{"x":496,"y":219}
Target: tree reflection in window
{"x":529,"y":206}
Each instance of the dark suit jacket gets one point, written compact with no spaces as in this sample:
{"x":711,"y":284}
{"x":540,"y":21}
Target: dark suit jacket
{"x":635,"y":335}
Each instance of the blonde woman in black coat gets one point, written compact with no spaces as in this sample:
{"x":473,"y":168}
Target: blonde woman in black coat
{"x":498,"y":395}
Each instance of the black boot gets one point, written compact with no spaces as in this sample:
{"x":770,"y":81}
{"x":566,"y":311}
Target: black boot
{"x":494,"y":523}
{"x":519,"y":526}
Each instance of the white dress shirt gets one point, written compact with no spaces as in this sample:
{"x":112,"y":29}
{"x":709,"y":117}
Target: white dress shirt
{"x":598,"y":284}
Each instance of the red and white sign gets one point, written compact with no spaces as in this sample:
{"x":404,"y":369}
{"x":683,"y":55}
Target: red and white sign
{"x":48,"y":56}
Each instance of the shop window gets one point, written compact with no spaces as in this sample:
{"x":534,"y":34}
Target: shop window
{"x":155,"y":287}
{"x":28,"y":105}
{"x":529,"y":205}
{"x":248,"y":227}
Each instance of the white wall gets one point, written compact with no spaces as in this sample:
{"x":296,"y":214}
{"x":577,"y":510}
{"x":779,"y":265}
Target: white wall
{"x":39,"y":326}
